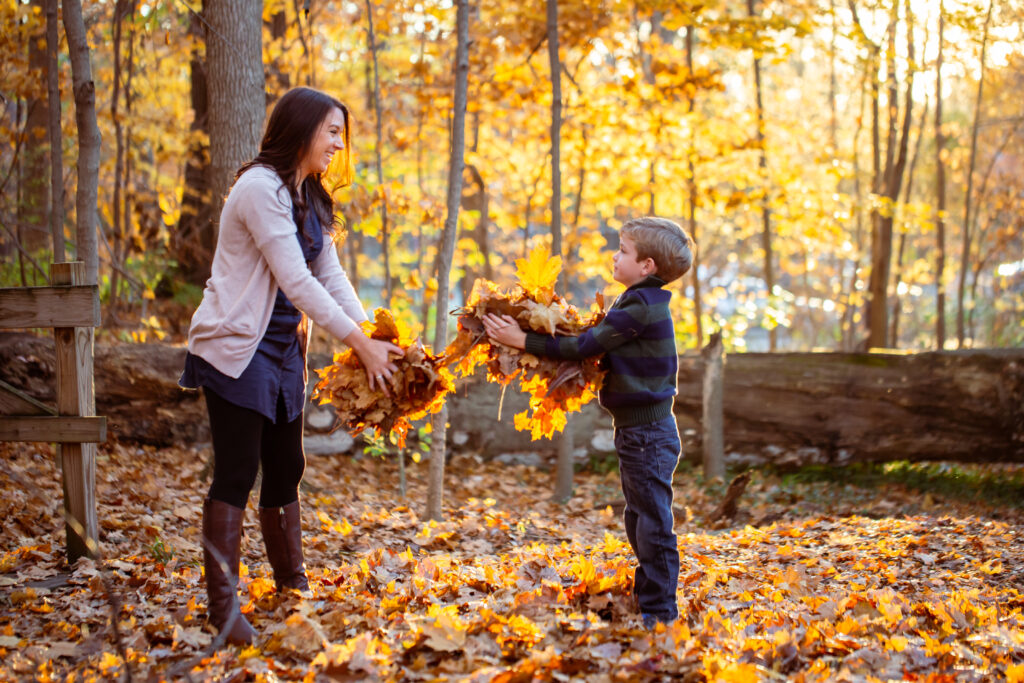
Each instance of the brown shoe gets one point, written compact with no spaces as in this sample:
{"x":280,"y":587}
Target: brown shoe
{"x":222,"y":539}
{"x":282,"y":534}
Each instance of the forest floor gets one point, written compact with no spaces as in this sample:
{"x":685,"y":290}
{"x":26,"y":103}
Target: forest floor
{"x":821,"y":576}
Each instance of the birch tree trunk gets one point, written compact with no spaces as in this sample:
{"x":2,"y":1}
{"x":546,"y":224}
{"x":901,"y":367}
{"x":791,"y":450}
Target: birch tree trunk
{"x":435,"y":481}
{"x":88,"y":140}
{"x":235,"y":87}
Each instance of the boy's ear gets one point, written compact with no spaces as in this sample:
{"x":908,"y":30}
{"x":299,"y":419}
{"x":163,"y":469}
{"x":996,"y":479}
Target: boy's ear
{"x":650,"y":267}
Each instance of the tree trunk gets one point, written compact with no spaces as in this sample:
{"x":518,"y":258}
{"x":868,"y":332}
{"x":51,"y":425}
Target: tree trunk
{"x":833,"y":117}
{"x":881,"y":238}
{"x":846,"y":323}
{"x":888,"y":183}
{"x":766,"y":214}
{"x":88,"y":140}
{"x":235,"y":87}
{"x":940,"y":199}
{"x":420,"y":245}
{"x":564,"y":466}
{"x":691,"y":187}
{"x":193,"y":240}
{"x":119,"y":236}
{"x":379,"y":127}
{"x":56,"y":149}
{"x":478,"y":201}
{"x":572,"y":258}
{"x":897,"y":303}
{"x":305,"y":38}
{"x":435,"y":483}
{"x":965,"y":251}
{"x":711,"y":402}
{"x":33,"y":205}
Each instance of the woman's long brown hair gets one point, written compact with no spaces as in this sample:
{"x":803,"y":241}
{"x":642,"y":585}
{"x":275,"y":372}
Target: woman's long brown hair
{"x":294,"y":122}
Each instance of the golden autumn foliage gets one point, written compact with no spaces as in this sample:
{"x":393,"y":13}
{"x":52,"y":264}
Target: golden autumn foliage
{"x":555,"y":387}
{"x":417,"y":389}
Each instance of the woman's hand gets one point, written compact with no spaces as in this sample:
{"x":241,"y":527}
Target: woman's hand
{"x":504,"y":330}
{"x":375,"y":355}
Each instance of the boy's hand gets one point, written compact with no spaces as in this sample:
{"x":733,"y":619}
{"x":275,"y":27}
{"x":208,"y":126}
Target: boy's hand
{"x":504,"y":330}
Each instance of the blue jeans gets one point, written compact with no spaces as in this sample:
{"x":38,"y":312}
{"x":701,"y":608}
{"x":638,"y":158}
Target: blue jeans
{"x":648,"y":455}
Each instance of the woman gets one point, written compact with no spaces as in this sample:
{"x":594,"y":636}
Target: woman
{"x":273,"y":267}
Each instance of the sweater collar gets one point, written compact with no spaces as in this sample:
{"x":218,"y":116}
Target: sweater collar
{"x":649,"y":281}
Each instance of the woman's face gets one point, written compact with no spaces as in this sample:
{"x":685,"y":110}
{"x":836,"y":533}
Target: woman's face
{"x":328,"y":139}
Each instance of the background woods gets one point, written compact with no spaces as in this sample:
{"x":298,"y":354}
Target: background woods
{"x":852,"y":171}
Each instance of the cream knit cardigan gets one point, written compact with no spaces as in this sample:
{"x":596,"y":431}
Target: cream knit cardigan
{"x":257,"y":253}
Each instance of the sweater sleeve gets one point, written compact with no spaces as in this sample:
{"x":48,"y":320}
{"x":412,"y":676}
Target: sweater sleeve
{"x":624,"y":322}
{"x":332,"y":276}
{"x":265,"y":209}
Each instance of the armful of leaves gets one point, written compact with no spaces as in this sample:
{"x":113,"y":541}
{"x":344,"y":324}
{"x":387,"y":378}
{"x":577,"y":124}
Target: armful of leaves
{"x":555,"y":387}
{"x":418,"y":388}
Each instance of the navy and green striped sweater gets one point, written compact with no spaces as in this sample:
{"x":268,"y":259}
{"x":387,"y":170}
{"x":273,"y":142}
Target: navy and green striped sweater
{"x":638,"y":340}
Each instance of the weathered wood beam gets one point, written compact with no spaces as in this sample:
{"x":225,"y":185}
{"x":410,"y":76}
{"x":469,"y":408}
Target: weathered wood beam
{"x":76,"y":397}
{"x":26,"y":307}
{"x":54,"y":428}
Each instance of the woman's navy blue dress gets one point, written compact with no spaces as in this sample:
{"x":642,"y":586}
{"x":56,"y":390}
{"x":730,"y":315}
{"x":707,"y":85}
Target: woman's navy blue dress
{"x":273,"y":383}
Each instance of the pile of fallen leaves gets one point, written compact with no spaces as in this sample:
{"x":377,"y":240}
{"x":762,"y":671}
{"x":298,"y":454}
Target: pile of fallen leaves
{"x":416,"y":389}
{"x":554,"y":387}
{"x":845,"y":585}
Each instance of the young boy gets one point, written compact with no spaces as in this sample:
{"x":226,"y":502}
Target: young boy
{"x":638,"y":341}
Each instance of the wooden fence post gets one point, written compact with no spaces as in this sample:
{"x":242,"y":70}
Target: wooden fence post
{"x":76,"y":396}
{"x":712,"y":439}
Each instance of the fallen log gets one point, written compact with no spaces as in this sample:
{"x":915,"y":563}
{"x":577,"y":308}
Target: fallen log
{"x":136,"y":387}
{"x":781,"y":408}
{"x":843,"y":407}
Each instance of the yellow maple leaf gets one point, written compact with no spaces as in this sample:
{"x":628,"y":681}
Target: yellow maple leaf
{"x":545,"y":317}
{"x":538,"y":274}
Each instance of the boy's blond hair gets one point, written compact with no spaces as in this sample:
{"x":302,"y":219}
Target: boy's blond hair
{"x":663,"y":241}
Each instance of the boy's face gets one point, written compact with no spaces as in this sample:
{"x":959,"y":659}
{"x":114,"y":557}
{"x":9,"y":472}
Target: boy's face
{"x":628,"y":270}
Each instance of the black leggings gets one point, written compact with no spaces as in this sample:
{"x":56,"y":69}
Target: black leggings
{"x":242,"y":440}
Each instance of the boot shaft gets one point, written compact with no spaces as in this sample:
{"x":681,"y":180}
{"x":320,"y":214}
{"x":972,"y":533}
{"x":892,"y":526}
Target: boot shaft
{"x":282,"y":534}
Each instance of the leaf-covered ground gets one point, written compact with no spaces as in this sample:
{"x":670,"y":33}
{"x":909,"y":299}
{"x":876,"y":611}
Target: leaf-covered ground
{"x":813,"y":581}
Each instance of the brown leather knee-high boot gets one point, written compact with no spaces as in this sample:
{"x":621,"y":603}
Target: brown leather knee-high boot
{"x":282,"y":534}
{"x":222,"y":539}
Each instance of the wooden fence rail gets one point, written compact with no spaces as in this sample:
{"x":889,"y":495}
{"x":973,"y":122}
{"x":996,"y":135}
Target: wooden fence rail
{"x":72,"y":310}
